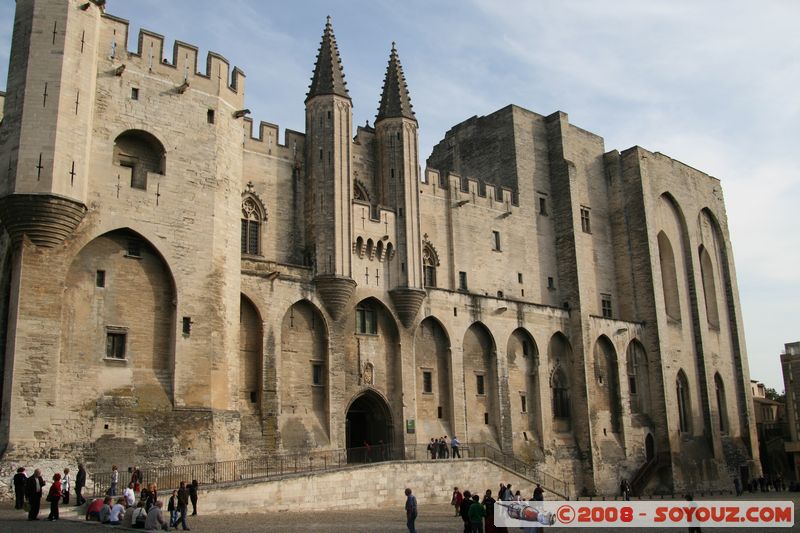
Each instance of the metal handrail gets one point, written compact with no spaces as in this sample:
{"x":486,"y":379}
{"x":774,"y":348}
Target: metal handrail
{"x":297,"y":462}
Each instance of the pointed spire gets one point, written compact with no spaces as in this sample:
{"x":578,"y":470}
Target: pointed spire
{"x":395,"y":101}
{"x":328,"y":74}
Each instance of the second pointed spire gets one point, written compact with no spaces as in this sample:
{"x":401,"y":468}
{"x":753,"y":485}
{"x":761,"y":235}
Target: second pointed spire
{"x":395,"y":100}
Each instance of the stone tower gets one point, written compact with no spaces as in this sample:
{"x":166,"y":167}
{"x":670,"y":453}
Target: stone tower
{"x":398,"y":185}
{"x":329,"y":118}
{"x":46,"y":138}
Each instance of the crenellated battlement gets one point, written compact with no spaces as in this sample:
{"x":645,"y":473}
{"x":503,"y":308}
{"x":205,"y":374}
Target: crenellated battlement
{"x":465,"y":190}
{"x":266,"y":140}
{"x":182,"y":69}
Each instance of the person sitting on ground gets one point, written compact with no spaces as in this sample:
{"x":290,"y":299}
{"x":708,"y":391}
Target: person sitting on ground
{"x":155,"y":518}
{"x":139,"y":516}
{"x":93,"y":510}
{"x":105,"y":510}
{"x":117,"y":510}
{"x":127,"y":518}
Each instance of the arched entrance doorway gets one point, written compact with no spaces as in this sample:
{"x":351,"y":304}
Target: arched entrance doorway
{"x":369,"y":422}
{"x":649,"y":447}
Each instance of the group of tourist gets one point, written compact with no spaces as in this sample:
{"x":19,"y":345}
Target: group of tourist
{"x":478,"y":514}
{"x":438,"y":448}
{"x":29,"y":490}
{"x":763,"y":484}
{"x":144,"y":512}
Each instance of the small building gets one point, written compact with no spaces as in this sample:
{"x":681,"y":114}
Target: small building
{"x":790,"y":363}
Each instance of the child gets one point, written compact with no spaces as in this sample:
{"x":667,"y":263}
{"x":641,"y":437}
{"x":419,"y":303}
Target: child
{"x":172,"y":507}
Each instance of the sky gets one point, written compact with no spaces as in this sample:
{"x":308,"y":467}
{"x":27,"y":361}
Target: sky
{"x":714,"y":84}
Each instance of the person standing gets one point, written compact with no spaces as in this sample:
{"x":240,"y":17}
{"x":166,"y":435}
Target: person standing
{"x":538,"y":493}
{"x":411,"y":511}
{"x":446,"y":448}
{"x":488,"y":504}
{"x":54,"y":497}
{"x":172,"y":508}
{"x":456,"y":500}
{"x":33,"y":490}
{"x":464,"y":511}
{"x":432,"y":448}
{"x":19,"y":481}
{"x":183,"y":504}
{"x":80,"y":482}
{"x":476,"y":514}
{"x":129,"y":495}
{"x":112,"y":490}
{"x":136,"y":479}
{"x":454,"y":444}
{"x":66,"y":485}
{"x":193,"y":495}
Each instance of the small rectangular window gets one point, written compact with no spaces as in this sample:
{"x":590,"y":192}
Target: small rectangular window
{"x":115,"y":344}
{"x":316,"y":374}
{"x":605,"y":304}
{"x":486,"y":418}
{"x":100,"y":278}
{"x":519,"y":277}
{"x":210,"y":116}
{"x":187,"y":325}
{"x":523,"y":403}
{"x":462,"y":281}
{"x":543,"y":206}
{"x":586,"y":225}
{"x":551,"y":284}
{"x":479,"y":385}
{"x":632,"y":384}
{"x":427,"y":382}
{"x":134,"y":93}
{"x":439,"y":412}
{"x":253,"y":396}
{"x":455,"y":311}
{"x":134,"y":248}
{"x":496,"y":241}
{"x":366,"y":321}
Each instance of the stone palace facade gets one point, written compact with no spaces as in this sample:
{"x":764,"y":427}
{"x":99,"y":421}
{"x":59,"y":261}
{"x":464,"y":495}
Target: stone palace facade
{"x":181,"y":286}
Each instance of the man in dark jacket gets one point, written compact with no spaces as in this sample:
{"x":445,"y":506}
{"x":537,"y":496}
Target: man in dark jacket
{"x":20,"y":479}
{"x":183,"y":504}
{"x":465,"y":505}
{"x":34,"y":488}
{"x":80,"y":482}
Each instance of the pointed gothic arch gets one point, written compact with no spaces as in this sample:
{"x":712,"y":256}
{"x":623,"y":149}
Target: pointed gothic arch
{"x":254,"y":219}
{"x":430,"y":261}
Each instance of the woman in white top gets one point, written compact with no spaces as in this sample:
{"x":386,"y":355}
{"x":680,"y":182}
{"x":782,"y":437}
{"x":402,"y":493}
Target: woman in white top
{"x":66,"y":485}
{"x":117,"y":510}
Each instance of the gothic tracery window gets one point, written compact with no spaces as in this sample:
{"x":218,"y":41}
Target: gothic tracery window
{"x":429,"y":263}
{"x":253,"y":219}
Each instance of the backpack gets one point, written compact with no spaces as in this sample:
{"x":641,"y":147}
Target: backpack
{"x":139,"y":517}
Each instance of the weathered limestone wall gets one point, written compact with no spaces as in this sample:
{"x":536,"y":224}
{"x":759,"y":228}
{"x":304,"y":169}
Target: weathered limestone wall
{"x":365,"y":487}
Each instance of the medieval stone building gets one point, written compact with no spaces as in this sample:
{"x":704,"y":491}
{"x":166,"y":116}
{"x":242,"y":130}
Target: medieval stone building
{"x":180,"y":285}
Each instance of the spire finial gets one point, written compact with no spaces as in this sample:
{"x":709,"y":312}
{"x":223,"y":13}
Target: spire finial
{"x":328,"y":73}
{"x":395,"y":100}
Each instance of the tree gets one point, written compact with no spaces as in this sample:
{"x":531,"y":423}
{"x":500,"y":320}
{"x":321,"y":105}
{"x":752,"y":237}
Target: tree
{"x":772,"y":394}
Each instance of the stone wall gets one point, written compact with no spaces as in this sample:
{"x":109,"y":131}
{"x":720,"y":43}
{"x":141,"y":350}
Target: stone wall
{"x":364,"y":487}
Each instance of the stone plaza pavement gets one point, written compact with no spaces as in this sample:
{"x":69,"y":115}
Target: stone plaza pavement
{"x":433,"y":518}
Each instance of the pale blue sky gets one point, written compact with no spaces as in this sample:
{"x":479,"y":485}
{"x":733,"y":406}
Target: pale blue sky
{"x":715,"y":84}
